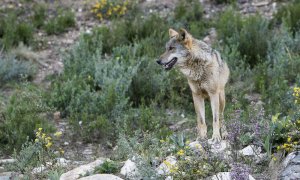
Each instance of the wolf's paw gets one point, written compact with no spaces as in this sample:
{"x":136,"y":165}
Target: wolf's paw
{"x":216,"y":138}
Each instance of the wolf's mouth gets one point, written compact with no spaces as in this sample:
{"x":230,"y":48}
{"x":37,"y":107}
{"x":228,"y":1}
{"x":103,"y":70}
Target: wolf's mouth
{"x":170,"y":64}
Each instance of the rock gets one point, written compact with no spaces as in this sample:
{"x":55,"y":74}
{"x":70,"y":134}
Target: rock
{"x":178,"y":124}
{"x":6,"y":175}
{"x":219,"y":147}
{"x":225,"y":176}
{"x":101,"y":177}
{"x":38,"y":170}
{"x":66,"y":143}
{"x":56,"y":116}
{"x":62,"y":162}
{"x":291,"y":167}
{"x":196,"y":147}
{"x":165,"y":167}
{"x":129,"y":170}
{"x":7,"y":161}
{"x":250,"y":150}
{"x":75,"y":173}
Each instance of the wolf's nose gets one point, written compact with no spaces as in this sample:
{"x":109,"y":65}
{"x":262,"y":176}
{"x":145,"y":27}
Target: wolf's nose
{"x":158,"y":61}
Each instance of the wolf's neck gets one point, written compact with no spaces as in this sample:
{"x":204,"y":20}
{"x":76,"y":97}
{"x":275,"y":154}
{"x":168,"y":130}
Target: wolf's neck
{"x":193,"y":68}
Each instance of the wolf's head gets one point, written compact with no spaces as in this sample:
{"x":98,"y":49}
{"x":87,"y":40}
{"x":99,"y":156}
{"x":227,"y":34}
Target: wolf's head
{"x":177,"y":49}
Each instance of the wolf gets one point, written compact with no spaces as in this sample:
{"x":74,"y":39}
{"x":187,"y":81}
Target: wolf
{"x":206,"y":73}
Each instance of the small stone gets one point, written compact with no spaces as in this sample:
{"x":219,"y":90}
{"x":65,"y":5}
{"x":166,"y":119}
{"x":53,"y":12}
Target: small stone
{"x":56,"y":116}
{"x":6,"y":175}
{"x":101,"y":177}
{"x":38,"y":170}
{"x":218,"y":147}
{"x":196,"y":147}
{"x":81,"y":170}
{"x":7,"y":161}
{"x":165,"y":167}
{"x":129,"y":170}
{"x":251,"y":150}
{"x":225,"y":176}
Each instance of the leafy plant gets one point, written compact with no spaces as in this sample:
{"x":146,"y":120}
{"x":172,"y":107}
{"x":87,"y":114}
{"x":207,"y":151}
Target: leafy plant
{"x":108,"y":167}
{"x":12,"y":69}
{"x":60,"y":23}
{"x":21,"y":116}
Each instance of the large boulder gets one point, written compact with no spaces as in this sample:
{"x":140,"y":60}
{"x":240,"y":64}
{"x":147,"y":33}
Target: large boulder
{"x":291,"y":167}
{"x":81,"y":170}
{"x":101,"y":177}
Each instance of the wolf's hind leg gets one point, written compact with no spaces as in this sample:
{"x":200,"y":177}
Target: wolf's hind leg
{"x":222,"y":107}
{"x":200,"y":111}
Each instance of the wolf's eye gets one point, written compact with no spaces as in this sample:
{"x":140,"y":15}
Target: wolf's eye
{"x":171,"y":48}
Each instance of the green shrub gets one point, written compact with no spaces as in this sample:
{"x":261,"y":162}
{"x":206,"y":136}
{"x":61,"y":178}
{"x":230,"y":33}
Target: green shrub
{"x":108,"y":167}
{"x":252,"y":35}
{"x":130,"y":30}
{"x":24,"y":113}
{"x":12,"y":69}
{"x":42,"y":152}
{"x":14,"y":32}
{"x":60,"y":23}
{"x":39,"y":17}
{"x":290,"y":16}
{"x":190,"y":15}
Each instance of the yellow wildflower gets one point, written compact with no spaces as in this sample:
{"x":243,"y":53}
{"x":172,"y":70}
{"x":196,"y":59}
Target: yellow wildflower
{"x":187,"y":142}
{"x":43,"y":136}
{"x":40,"y":129}
{"x":61,"y":151}
{"x":289,"y":139}
{"x":180,"y":152}
{"x":48,"y":139}
{"x":38,"y":134}
{"x":58,"y":134}
{"x":167,"y":163}
{"x":174,"y":169}
{"x":36,"y":140}
{"x":161,"y":141}
{"x":49,"y":144}
{"x":97,"y":6}
{"x":274,"y":158}
{"x":278,"y":147}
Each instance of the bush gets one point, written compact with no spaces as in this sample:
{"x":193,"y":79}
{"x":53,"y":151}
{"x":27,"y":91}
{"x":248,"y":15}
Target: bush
{"x":108,"y":167}
{"x":12,"y":69}
{"x":290,"y":16}
{"x":190,"y":15}
{"x":252,"y":29}
{"x":39,"y":15}
{"x":14,"y":32}
{"x":24,"y":113}
{"x":42,"y":152}
{"x":60,"y":23}
{"x":131,"y":30}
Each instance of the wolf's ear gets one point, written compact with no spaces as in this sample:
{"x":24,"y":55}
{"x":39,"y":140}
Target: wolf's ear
{"x":185,"y":38}
{"x":172,"y":33}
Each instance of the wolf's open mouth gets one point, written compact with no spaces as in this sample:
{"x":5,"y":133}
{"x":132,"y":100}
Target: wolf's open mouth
{"x":170,"y":64}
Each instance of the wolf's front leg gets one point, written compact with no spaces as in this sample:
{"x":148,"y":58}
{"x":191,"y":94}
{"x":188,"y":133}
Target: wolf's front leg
{"x":200,"y":111}
{"x":214,"y":100}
